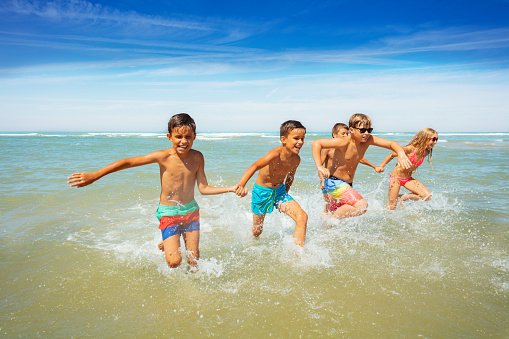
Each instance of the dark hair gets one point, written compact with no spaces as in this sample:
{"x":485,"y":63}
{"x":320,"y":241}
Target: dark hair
{"x":288,"y":126}
{"x":180,"y":120}
{"x":338,"y":127}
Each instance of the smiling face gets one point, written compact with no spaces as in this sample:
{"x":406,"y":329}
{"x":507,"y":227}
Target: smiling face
{"x":182,"y":139}
{"x":294,"y":140}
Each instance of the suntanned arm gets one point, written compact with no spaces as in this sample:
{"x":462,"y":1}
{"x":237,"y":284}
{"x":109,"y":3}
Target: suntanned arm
{"x":403,"y":161}
{"x":203,"y":186}
{"x":84,"y":179}
{"x":324,"y":155}
{"x":318,"y":145}
{"x":257,"y":165}
{"x":378,"y":169}
{"x":388,"y":159}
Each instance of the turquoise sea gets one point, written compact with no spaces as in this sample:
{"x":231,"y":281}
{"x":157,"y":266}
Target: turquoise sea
{"x":84,"y":262}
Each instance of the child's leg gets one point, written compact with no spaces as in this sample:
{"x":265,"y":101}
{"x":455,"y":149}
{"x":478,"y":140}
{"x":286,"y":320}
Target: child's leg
{"x":171,"y":251}
{"x":394,"y":186}
{"x":419,"y":191}
{"x":192,"y":240}
{"x":293,"y":209}
{"x":326,"y":198}
{"x":348,"y":211}
{"x":258,"y":224}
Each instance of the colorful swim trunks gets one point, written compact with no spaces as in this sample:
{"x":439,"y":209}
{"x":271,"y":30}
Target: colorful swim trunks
{"x":264,"y":199}
{"x":178,"y":219}
{"x":342,"y":193}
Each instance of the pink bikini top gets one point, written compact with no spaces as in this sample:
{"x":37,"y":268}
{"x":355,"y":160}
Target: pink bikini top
{"x":414,"y":161}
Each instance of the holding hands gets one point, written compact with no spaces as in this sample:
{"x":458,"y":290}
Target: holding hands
{"x":240,"y":191}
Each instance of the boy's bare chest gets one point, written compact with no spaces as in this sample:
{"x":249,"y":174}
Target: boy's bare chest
{"x":179,"y":169}
{"x":354,"y":154}
{"x":280,"y":167}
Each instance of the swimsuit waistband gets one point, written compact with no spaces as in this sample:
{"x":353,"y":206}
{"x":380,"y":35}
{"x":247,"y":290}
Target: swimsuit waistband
{"x":336,"y":178}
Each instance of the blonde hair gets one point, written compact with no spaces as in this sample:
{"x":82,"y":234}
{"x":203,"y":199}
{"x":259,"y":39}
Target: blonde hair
{"x":421,"y":140}
{"x":359,"y":119}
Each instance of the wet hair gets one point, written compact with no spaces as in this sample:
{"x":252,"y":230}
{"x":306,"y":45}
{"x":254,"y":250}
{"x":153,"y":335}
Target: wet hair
{"x":421,"y":139}
{"x":181,"y":120}
{"x":359,"y":119}
{"x":338,"y":127}
{"x":288,"y":126}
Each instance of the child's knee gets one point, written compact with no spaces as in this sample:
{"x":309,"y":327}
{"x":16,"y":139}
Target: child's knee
{"x":173,"y":259}
{"x":361,"y":206}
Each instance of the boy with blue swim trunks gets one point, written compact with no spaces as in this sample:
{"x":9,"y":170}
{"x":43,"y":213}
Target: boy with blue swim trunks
{"x":180,"y":167}
{"x":276,"y":171}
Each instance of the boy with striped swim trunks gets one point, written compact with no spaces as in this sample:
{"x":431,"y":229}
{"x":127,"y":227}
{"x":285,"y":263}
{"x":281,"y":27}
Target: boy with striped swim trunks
{"x":339,"y":130}
{"x":348,"y":153}
{"x":276,"y":171}
{"x":180,"y":167}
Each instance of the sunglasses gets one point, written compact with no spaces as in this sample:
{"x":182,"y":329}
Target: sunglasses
{"x":434,"y":139}
{"x":364,"y":130}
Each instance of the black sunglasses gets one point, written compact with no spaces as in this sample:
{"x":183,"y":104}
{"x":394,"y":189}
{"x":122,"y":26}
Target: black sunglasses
{"x":364,"y":130}
{"x":434,"y":139}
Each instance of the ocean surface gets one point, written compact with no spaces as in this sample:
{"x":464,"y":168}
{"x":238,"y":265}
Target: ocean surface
{"x":84,"y":262}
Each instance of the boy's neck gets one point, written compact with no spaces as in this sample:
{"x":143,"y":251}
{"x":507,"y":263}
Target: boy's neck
{"x":286,"y":152}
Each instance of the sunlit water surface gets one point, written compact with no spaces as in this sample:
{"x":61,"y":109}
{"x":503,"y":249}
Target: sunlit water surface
{"x":84,"y":262}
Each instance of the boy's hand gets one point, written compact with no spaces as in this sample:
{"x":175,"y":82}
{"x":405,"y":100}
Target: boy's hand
{"x":325,"y":172}
{"x":379,"y":169}
{"x":81,"y":179}
{"x":403,"y":161}
{"x":240,"y":191}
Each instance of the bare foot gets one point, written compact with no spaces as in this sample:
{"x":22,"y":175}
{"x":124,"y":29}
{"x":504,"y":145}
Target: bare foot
{"x":161,"y":245}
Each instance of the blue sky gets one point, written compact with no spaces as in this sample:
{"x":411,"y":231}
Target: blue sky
{"x":250,"y":65}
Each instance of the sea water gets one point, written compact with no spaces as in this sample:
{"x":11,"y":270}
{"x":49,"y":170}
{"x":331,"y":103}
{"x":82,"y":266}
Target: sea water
{"x":84,"y":262}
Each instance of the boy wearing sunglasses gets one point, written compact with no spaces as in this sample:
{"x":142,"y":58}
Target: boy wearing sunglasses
{"x":346,"y":202}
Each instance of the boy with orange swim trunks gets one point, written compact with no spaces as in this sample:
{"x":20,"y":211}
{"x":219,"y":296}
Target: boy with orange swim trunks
{"x":180,"y":167}
{"x":339,"y":130}
{"x":347,"y":202}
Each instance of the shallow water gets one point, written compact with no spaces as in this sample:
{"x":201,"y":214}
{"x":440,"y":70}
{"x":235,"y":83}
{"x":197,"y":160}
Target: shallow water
{"x":84,"y":262}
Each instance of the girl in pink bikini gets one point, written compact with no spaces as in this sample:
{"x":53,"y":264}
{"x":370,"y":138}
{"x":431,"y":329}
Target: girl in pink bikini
{"x":419,"y":147}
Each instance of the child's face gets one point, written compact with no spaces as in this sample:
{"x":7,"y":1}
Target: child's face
{"x":357,"y":135}
{"x":182,"y":139}
{"x":433,"y":141}
{"x":341,"y":133}
{"x":294,"y":140}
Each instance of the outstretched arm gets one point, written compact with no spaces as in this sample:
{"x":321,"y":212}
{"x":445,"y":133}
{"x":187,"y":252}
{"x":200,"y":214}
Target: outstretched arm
{"x":82,"y":179}
{"x":403,"y":161}
{"x":204,"y":187}
{"x":388,"y":159}
{"x":257,"y":165}
{"x":378,"y":169}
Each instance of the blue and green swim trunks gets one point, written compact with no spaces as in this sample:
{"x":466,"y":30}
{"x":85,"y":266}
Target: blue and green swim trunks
{"x":178,"y":219}
{"x":264,"y":199}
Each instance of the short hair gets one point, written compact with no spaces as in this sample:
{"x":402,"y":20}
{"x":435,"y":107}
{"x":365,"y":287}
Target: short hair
{"x":288,"y":126}
{"x":359,"y":119}
{"x":180,"y":120}
{"x":338,"y":127}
